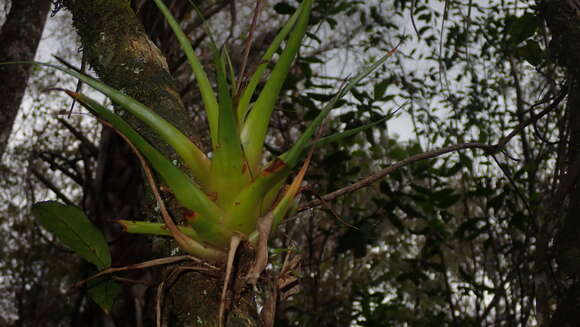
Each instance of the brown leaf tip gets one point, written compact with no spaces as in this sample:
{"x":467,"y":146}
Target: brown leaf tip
{"x":275,"y":166}
{"x":189,"y":215}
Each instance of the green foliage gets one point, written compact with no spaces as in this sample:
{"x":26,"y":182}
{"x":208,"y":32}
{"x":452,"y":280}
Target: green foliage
{"x":433,"y":242}
{"x":104,"y":291}
{"x":242,"y":190}
{"x":72,"y":227}
{"x":519,"y":29}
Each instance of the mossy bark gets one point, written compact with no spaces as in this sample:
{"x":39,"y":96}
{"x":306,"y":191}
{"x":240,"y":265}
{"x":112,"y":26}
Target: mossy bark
{"x":117,"y":47}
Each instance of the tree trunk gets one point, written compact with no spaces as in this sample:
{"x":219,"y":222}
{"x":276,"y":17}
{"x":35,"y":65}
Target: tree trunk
{"x":19,"y":39}
{"x":117,"y":47}
{"x":562,"y":17}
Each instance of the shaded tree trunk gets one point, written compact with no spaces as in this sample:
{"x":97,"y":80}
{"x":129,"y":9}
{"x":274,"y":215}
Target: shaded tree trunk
{"x":118,"y":48}
{"x":19,"y":39}
{"x":562,"y":17}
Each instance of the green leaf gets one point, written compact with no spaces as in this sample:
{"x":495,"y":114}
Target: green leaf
{"x":186,"y":192}
{"x":445,"y":198}
{"x":380,"y":89}
{"x":293,"y":155}
{"x":103,"y":291}
{"x":244,"y":102}
{"x":521,"y":28}
{"x":187,"y":150}
{"x":229,"y":173}
{"x":202,"y":250}
{"x":353,"y":131}
{"x":72,"y":227}
{"x":531,"y":52}
{"x":207,"y":95}
{"x":256,"y":125}
{"x":243,"y":212}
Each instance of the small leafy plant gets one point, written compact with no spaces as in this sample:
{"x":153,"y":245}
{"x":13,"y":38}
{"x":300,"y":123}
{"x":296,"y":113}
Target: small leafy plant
{"x":229,"y":191}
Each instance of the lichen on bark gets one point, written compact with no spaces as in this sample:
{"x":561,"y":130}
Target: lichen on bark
{"x":122,"y":55}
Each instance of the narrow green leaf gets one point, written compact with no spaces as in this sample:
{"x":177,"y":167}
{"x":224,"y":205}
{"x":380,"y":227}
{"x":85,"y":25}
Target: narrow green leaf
{"x":150,"y":228}
{"x":201,"y":250}
{"x":103,"y":291}
{"x":213,"y":43}
{"x":353,"y":131}
{"x":187,"y":193}
{"x":232,"y":72}
{"x":229,"y":173}
{"x":292,"y":157}
{"x":192,"y":156}
{"x":256,"y":125}
{"x":207,"y":95}
{"x":244,"y":102}
{"x":72,"y":227}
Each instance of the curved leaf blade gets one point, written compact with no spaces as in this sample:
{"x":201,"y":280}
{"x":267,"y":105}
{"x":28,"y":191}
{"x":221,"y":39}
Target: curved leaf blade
{"x":244,"y":102}
{"x":256,"y":125}
{"x":200,"y":249}
{"x":72,"y":227}
{"x":192,"y":156}
{"x":228,"y":170}
{"x":187,"y":193}
{"x":292,"y":157}
{"x":207,"y":94}
{"x":353,"y":131}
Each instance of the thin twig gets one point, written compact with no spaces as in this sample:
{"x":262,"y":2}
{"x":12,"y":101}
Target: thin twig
{"x":532,"y":119}
{"x":159,"y":294}
{"x":131,"y":281}
{"x":413,"y":6}
{"x":513,"y":184}
{"x":248,"y":45}
{"x":489,"y":149}
{"x":52,"y":187}
{"x":94,"y":151}
{"x":146,"y":264}
{"x":328,"y":207}
{"x":373,"y":178}
{"x":233,"y":17}
{"x":79,"y":83}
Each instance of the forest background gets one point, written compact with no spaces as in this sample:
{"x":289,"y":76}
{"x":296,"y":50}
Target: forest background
{"x":471,"y":218}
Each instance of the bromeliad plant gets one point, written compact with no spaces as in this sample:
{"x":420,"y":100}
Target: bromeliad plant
{"x":231,"y":189}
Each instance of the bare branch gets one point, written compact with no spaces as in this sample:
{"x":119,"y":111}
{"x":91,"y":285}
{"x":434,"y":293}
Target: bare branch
{"x":52,"y":187}
{"x":248,"y":45}
{"x":489,"y":150}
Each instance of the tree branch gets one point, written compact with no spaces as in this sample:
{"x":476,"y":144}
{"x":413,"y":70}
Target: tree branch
{"x":489,"y":150}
